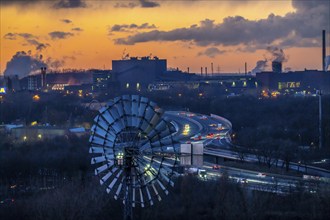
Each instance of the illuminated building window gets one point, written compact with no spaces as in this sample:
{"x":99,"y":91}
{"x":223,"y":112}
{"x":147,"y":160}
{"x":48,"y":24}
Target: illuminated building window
{"x":285,"y":85}
{"x":138,"y":86}
{"x":127,"y":85}
{"x":244,"y":83}
{"x":281,"y":85}
{"x":233,"y":84}
{"x":256,"y":84}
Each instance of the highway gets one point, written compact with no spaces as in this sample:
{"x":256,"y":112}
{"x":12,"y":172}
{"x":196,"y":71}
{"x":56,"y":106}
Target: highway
{"x":202,"y":129}
{"x":214,"y":132}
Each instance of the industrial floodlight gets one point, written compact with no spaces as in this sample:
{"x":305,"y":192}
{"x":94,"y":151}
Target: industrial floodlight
{"x":133,"y":151}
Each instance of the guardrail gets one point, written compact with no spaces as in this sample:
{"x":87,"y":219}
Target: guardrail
{"x":176,"y":126}
{"x":226,"y":121}
{"x":200,"y":127}
{"x":252,"y":158}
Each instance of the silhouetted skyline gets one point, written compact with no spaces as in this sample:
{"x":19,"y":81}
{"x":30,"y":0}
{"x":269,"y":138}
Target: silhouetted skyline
{"x":194,"y":34}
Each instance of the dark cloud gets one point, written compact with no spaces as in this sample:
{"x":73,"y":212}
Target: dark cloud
{"x":18,"y":2}
{"x":22,"y":64}
{"x":67,"y":21}
{"x":13,"y":36}
{"x":26,"y":35}
{"x":29,"y":39}
{"x":211,"y":52}
{"x":41,"y":47}
{"x":10,"y":36}
{"x":127,"y":27}
{"x":305,"y":24}
{"x":148,"y":4}
{"x":77,"y":29}
{"x":55,"y":35}
{"x":57,"y":4}
{"x":70,"y":4}
{"x":140,"y":3}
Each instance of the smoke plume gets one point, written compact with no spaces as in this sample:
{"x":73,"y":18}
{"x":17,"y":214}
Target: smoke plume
{"x":260,"y":66}
{"x":23,"y":63}
{"x":277,"y":54}
{"x":274,"y":54}
{"x":327,"y":62}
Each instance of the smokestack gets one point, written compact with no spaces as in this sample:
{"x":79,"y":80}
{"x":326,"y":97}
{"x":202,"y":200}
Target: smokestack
{"x":323,"y":50}
{"x":245,"y":68}
{"x":206,"y":71}
{"x":212,"y":68}
{"x":277,"y":66}
{"x":188,"y":69}
{"x":43,"y":77}
{"x":202,"y":71}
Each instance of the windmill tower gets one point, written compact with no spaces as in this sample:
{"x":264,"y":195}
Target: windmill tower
{"x":133,"y":151}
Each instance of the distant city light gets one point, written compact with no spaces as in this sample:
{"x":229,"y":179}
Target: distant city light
{"x":2,"y":90}
{"x":36,"y":98}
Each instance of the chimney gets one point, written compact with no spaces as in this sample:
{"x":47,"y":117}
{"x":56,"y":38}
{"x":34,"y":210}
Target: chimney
{"x":212,"y":68}
{"x":277,"y":66}
{"x":43,"y":77}
{"x":188,"y":69}
{"x":323,"y":50}
{"x":245,"y":68}
{"x":202,"y":71}
{"x":206,"y":71}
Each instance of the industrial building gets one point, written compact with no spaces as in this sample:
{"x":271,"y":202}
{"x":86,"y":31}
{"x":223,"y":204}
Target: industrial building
{"x":302,"y":82}
{"x":101,"y":81}
{"x":135,"y":73}
{"x":298,"y":81}
{"x":148,"y":74}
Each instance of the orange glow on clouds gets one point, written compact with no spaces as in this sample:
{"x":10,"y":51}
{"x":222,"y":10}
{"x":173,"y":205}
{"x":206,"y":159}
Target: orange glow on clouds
{"x":94,"y":47}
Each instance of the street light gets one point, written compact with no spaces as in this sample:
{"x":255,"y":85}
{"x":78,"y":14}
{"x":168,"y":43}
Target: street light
{"x":319,"y":93}
{"x":36,"y":98}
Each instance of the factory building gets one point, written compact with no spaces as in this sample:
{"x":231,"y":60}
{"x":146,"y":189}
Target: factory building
{"x":298,"y":81}
{"x":101,"y":80}
{"x":307,"y":81}
{"x":135,"y":73}
{"x":32,"y":82}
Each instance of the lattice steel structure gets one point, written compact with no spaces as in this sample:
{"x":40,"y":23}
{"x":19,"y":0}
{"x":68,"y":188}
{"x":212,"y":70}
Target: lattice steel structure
{"x":133,"y":149}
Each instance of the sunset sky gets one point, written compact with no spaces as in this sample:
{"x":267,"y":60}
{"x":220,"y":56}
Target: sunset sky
{"x":91,"y":33}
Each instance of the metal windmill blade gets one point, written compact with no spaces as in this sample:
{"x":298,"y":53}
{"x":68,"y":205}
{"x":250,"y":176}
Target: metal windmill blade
{"x":133,"y":151}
